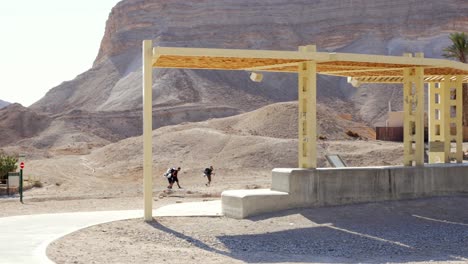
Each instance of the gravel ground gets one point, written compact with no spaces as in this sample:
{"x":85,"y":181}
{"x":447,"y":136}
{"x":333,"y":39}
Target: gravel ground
{"x":425,"y":230}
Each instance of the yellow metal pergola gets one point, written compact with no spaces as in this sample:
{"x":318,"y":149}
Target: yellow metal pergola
{"x":445,"y":80}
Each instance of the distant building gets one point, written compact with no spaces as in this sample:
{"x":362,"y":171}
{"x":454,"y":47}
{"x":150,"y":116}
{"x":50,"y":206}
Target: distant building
{"x":393,"y":129}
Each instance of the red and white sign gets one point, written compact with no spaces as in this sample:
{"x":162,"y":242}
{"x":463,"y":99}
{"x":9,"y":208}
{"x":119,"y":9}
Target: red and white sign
{"x":22,"y":165}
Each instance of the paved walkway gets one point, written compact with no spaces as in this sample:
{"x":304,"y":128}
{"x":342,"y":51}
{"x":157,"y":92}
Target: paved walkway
{"x":24,"y":238}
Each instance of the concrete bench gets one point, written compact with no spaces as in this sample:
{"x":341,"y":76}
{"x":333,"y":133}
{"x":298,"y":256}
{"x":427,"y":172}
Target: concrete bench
{"x":243,"y":203}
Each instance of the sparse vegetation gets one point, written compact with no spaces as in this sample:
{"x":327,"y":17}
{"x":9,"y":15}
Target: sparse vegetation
{"x":7,"y":164}
{"x":37,"y":184}
{"x":459,"y":48}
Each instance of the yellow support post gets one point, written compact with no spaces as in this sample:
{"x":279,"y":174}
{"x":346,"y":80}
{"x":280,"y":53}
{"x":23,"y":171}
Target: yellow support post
{"x":413,"y":107}
{"x":436,"y":104}
{"x":148,"y":129}
{"x":307,"y":93}
{"x":459,"y":118}
{"x":418,"y":80}
{"x":446,"y":119}
{"x":408,"y":155}
{"x":453,"y":118}
{"x":419,"y":116}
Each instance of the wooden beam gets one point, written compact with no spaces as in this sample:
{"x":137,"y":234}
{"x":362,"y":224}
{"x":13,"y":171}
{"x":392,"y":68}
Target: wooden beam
{"x":369,"y":69}
{"x":309,"y":56}
{"x":272,"y":67}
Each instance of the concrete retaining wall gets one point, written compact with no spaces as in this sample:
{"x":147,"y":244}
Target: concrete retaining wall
{"x":336,"y":186}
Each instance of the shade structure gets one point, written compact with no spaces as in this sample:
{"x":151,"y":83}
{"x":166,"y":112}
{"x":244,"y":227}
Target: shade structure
{"x":411,"y":71}
{"x":364,"y":68}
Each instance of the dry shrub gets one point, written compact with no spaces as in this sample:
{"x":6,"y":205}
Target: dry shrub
{"x":37,"y":184}
{"x":352,"y":134}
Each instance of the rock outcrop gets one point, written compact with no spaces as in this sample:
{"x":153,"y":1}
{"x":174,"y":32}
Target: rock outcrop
{"x":18,"y":122}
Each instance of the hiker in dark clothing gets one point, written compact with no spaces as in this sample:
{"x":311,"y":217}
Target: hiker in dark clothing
{"x":171,"y":175}
{"x":168,"y":175}
{"x":208,"y":172}
{"x":174,"y":177}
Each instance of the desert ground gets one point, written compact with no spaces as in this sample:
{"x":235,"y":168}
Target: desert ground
{"x":243,"y":150}
{"x":99,"y":181}
{"x":424,"y":230}
{"x":431,"y":230}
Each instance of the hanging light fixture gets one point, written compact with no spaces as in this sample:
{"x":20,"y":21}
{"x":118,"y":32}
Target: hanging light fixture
{"x":354,"y":82}
{"x":256,"y":77}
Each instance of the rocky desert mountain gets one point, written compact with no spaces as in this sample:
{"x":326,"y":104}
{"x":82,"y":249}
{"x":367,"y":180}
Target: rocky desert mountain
{"x":102,"y":106}
{"x":107,"y":98}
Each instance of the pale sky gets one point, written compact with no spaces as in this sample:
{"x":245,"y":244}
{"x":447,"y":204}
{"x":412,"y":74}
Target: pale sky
{"x":46,"y":42}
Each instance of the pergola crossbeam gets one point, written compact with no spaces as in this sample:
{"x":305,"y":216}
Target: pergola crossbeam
{"x":369,"y":69}
{"x":399,"y":79}
{"x":271,"y":67}
{"x":345,"y":64}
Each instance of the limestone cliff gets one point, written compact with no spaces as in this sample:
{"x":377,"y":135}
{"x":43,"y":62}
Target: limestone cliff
{"x":279,"y":24}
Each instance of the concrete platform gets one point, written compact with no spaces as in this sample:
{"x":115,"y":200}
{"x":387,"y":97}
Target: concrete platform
{"x":295,"y":188}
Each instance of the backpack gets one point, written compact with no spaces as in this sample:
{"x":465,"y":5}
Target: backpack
{"x":169,"y":172}
{"x":207,"y":171}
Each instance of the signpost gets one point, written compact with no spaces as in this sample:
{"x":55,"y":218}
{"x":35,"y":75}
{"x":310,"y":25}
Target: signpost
{"x":21,"y":181}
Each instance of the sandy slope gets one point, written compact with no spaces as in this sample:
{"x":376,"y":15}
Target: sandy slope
{"x":243,"y":149}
